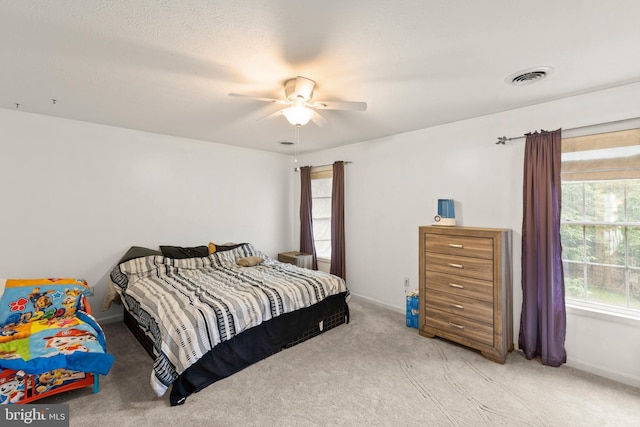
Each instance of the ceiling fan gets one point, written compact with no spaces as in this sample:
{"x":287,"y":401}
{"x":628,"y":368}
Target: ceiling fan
{"x":300,"y":107}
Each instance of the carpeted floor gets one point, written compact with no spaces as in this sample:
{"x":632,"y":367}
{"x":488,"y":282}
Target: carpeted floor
{"x":373,"y":371}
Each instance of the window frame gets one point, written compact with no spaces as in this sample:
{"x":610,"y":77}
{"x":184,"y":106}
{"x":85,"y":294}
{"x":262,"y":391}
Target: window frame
{"x":605,"y":170}
{"x":321,"y":172}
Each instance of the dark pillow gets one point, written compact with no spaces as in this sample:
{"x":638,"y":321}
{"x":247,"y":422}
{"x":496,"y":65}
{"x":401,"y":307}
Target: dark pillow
{"x":138,"y":252}
{"x":178,"y":252}
{"x":222,"y":248}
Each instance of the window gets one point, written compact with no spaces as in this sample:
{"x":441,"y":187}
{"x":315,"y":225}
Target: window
{"x":321,"y":184}
{"x":600,"y":221}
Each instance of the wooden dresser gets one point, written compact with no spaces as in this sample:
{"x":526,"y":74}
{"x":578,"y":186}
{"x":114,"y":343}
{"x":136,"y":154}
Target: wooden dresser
{"x":465,"y":287}
{"x":297,"y":258}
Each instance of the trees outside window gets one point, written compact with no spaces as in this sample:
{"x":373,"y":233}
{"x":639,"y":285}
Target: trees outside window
{"x":600,"y":226}
{"x":601,"y":242}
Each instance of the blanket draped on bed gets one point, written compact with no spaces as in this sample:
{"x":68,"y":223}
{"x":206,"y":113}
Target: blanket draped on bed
{"x":190,"y":305}
{"x":42,"y":328}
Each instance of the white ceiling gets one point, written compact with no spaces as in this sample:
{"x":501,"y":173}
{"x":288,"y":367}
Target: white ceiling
{"x":167,"y":66}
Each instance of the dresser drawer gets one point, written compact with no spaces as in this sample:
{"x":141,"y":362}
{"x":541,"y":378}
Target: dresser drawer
{"x":476,"y":247}
{"x":470,"y":308}
{"x":460,"y":326}
{"x":458,"y":285}
{"x":476,"y":268}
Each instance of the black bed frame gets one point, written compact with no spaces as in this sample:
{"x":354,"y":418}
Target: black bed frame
{"x":252,"y":345}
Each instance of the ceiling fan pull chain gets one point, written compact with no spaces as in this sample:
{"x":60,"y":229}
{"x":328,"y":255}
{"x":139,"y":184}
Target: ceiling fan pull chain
{"x":297,"y":139}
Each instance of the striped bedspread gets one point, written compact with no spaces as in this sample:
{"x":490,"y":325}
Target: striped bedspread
{"x":190,"y":305}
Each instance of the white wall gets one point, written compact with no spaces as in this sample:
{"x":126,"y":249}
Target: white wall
{"x":75,"y":196}
{"x":393,"y":184}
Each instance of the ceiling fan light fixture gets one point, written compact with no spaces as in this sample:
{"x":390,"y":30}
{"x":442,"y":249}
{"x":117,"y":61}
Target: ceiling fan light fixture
{"x":297,"y":115}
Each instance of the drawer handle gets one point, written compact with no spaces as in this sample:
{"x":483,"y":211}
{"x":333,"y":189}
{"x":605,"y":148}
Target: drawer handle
{"x":455,"y":285}
{"x":461,"y":307}
{"x":456,"y":265}
{"x":455,"y":325}
{"x":453,"y":245}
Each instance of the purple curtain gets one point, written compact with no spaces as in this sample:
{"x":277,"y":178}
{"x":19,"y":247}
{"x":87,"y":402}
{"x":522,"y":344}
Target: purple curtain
{"x":337,"y":221}
{"x":306,"y":222}
{"x":543,"y":319}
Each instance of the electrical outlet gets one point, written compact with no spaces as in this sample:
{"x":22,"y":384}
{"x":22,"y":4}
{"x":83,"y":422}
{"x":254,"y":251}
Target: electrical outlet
{"x":406,"y":285}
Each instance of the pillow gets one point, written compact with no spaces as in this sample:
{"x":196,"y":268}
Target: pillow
{"x":178,"y":252}
{"x":138,"y":252}
{"x":249,"y":261}
{"x":221,"y":248}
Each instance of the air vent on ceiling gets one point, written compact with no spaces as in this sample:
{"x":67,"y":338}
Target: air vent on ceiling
{"x":529,"y":76}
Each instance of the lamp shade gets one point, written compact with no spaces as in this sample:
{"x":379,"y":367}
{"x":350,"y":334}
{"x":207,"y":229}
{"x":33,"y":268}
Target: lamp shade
{"x":298,"y":116}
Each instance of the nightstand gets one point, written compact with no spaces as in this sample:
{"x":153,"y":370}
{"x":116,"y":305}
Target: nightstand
{"x":297,"y":258}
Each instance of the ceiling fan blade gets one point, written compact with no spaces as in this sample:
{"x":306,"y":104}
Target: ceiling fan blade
{"x":258,"y":98}
{"x":338,"y":105}
{"x":272,"y":115}
{"x":318,"y":119}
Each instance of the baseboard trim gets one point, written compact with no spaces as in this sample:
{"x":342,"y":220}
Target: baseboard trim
{"x":605,"y":373}
{"x":378,"y":303}
{"x":114,"y":318}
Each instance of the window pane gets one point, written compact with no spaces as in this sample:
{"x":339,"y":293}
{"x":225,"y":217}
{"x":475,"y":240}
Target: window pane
{"x":590,"y":242}
{"x":633,"y":200}
{"x":605,"y":244}
{"x":321,"y":208}
{"x":321,"y":187}
{"x":634,"y":288}
{"x":572,"y":201}
{"x":323,"y":249}
{"x":321,"y":215}
{"x":572,"y":242}
{"x":574,"y":280}
{"x":633,"y":234}
{"x":606,"y":285}
{"x":601,"y":206}
{"x":322,"y":229}
{"x":604,"y":201}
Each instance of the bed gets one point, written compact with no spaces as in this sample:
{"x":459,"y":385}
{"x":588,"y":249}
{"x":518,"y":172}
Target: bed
{"x":203,"y":316}
{"x":49,"y":342}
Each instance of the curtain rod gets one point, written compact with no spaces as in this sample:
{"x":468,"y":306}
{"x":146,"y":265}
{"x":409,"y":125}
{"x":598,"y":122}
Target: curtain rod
{"x":319,"y":166}
{"x":503,"y":139}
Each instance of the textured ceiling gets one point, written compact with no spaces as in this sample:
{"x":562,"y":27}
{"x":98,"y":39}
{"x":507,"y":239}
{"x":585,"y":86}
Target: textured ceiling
{"x":167,"y":66}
